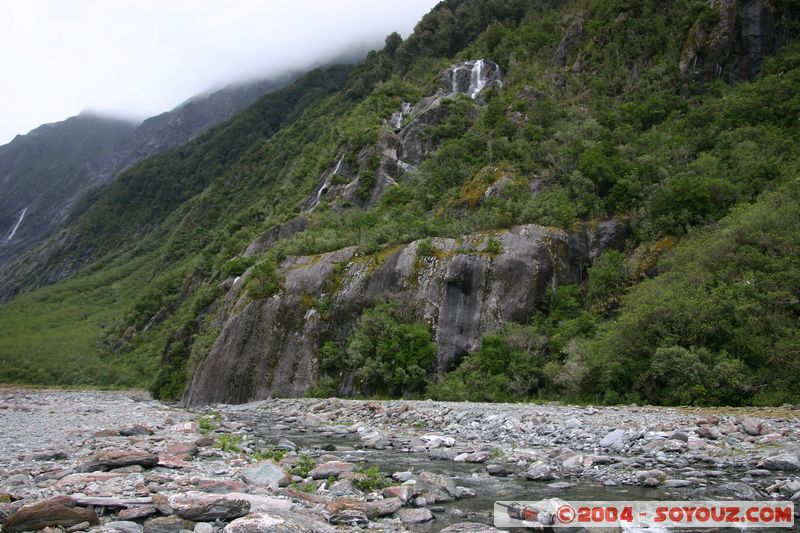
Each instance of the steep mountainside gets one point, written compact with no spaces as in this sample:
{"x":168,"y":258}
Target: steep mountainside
{"x":523,"y":199}
{"x":44,"y":173}
{"x":57,"y":170}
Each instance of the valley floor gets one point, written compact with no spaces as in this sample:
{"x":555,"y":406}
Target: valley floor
{"x":131,"y":464}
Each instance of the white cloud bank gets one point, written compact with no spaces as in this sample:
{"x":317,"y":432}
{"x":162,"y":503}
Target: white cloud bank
{"x":137,"y":58}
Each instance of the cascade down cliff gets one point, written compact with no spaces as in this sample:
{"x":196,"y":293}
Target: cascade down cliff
{"x":402,"y":147}
{"x":267,"y":347}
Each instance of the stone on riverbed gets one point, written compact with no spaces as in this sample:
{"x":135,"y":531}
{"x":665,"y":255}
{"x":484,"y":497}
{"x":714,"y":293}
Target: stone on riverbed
{"x":202,"y":506}
{"x":108,"y":459}
{"x":415,"y":516}
{"x":496,"y":470}
{"x":375,"y":508}
{"x":167,"y":524}
{"x":122,"y":526}
{"x":137,"y":512}
{"x":56,"y":511}
{"x":436,"y":441}
{"x":615,"y":438}
{"x":739,"y":490}
{"x":331,"y":468}
{"x":751,"y":426}
{"x":539,"y":471}
{"x":263,"y":523}
{"x":349,"y":517}
{"x":784,"y":461}
{"x":267,"y":474}
{"x":398,"y":491}
{"x":402,"y":477}
{"x":434,"y":488}
{"x":475,"y":457}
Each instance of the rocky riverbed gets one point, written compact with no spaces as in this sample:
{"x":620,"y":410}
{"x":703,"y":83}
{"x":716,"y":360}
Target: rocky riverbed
{"x":118,"y":461}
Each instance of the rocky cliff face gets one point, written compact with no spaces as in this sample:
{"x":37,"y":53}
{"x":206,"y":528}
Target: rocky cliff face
{"x":732,"y":38}
{"x":463,"y":288}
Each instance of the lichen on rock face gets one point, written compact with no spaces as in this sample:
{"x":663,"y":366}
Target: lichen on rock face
{"x":463,"y":291}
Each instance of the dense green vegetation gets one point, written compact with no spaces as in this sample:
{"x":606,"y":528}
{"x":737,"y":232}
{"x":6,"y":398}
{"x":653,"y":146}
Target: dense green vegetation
{"x":389,"y":353}
{"x":701,"y":307}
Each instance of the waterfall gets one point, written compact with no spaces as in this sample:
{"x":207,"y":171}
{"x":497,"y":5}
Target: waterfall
{"x":16,"y":226}
{"x":454,"y":88}
{"x":477,"y":79}
{"x":324,"y":188}
{"x":397,"y":118}
{"x":338,"y":166}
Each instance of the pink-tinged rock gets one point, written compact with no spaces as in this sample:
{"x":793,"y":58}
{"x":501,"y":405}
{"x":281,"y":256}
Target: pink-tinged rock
{"x":161,"y":502}
{"x":57,"y":511}
{"x":73,"y":480}
{"x":751,"y":426}
{"x":135,"y":513}
{"x":376,"y":407}
{"x":331,"y":468}
{"x":709,"y":432}
{"x":108,"y":459}
{"x":171,"y":461}
{"x":182,"y":449}
{"x":772,"y":437}
{"x":398,"y":491}
{"x":313,"y":420}
{"x":207,"y":440}
{"x":185,"y":427}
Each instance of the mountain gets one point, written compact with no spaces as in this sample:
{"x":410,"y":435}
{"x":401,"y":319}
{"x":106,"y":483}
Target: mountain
{"x":524,"y":199}
{"x":57,"y":170}
{"x":46,"y":171}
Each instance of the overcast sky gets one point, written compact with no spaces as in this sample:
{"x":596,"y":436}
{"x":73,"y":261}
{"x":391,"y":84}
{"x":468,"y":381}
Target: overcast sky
{"x":138,"y":58}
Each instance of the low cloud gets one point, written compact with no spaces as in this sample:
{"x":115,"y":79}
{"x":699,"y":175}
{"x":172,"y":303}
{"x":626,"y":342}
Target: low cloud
{"x":137,"y":58}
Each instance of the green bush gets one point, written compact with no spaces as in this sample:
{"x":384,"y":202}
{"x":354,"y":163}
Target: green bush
{"x":386,"y":354}
{"x":236,"y":266}
{"x":264,"y":281}
{"x":607,"y":278}
{"x":229,"y":442}
{"x":303,"y":466}
{"x":372,"y":480}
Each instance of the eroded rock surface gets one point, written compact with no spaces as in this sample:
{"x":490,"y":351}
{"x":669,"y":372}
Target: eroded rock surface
{"x":464,"y":290}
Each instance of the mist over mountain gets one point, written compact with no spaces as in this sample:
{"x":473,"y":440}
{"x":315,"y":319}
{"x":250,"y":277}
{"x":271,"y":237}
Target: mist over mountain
{"x":57,"y":170}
